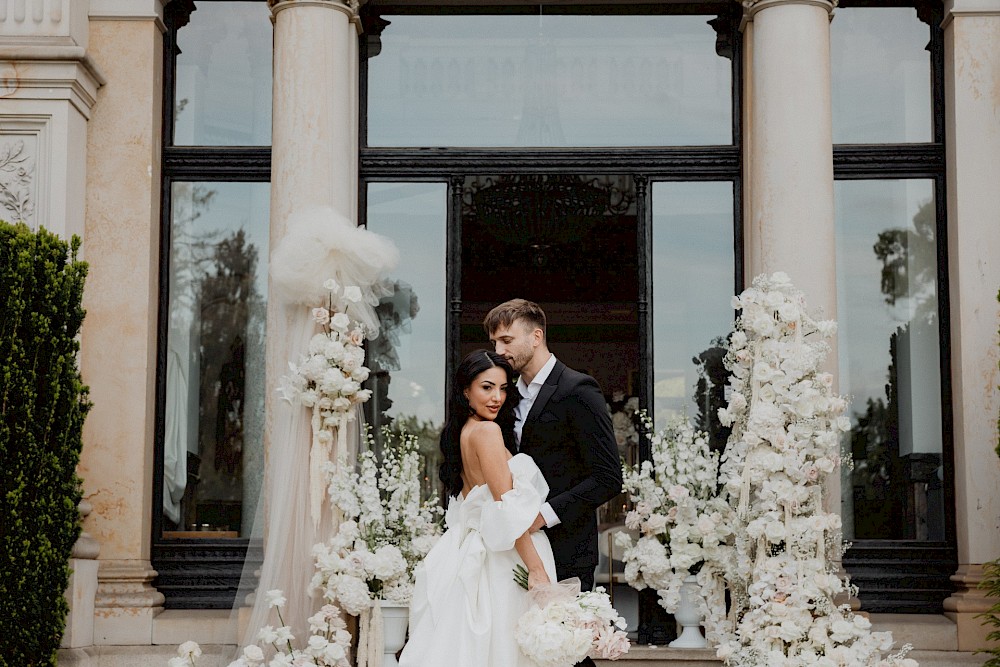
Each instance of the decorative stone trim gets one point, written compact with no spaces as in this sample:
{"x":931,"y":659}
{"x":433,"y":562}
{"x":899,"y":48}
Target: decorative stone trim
{"x":53,"y":20}
{"x":129,"y":10}
{"x":25,"y":153}
{"x":51,"y":73}
{"x":954,"y":8}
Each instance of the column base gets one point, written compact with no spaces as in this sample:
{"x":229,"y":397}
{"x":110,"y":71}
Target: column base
{"x":964,"y":606}
{"x":126,"y":604}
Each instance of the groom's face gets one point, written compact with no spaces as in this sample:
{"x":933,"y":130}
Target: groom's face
{"x":517,"y":343}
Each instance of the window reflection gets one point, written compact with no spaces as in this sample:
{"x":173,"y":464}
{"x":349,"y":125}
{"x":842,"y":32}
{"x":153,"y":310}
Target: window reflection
{"x":548,"y":80}
{"x":408,"y":358}
{"x":223,"y":87}
{"x":889,"y":350}
{"x":693,"y":260}
{"x":881,"y":76}
{"x":213,"y":435}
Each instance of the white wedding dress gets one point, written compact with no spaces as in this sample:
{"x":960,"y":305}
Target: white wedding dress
{"x":465,"y":602}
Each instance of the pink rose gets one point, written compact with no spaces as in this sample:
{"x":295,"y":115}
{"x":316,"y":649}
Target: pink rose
{"x":321,"y":315}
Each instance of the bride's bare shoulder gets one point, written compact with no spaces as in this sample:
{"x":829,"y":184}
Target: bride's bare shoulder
{"x":484,"y":434}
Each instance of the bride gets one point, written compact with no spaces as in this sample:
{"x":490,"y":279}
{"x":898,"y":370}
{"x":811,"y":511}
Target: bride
{"x":465,"y":602}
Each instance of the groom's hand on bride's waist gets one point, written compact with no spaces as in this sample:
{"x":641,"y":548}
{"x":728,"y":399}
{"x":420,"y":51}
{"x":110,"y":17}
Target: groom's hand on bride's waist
{"x":538,"y":524}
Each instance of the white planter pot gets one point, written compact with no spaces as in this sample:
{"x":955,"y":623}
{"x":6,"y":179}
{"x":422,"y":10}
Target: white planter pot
{"x":688,"y":616}
{"x":395,"y":620}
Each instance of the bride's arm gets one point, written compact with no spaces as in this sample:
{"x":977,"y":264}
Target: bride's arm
{"x":487,"y":442}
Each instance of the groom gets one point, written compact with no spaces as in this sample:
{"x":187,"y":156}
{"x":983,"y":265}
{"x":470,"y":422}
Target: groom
{"x":564,"y":425}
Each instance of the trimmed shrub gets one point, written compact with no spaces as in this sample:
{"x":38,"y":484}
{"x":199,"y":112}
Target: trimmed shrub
{"x":42,"y":404}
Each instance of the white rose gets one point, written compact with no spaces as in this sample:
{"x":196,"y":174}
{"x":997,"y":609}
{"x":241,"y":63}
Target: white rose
{"x":331,"y":285}
{"x":340,"y":322}
{"x":253,"y":654}
{"x":352,"y":293}
{"x":656,"y":524}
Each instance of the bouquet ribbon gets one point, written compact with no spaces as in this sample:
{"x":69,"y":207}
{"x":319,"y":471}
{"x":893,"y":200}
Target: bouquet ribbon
{"x":561,"y":591}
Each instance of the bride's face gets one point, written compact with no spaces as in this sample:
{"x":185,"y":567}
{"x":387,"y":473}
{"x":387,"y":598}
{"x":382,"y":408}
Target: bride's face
{"x":487,"y":393}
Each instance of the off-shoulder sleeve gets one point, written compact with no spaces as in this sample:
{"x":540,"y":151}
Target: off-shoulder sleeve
{"x":505,"y":520}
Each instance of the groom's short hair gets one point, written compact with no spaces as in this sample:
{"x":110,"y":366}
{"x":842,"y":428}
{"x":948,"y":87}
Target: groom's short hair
{"x":509,"y":312}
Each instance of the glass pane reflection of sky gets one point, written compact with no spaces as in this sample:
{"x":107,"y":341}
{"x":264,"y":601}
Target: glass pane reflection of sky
{"x":223,"y":88}
{"x":414,"y":216}
{"x":554,"y":80}
{"x":693,"y":269}
{"x":881,"y":76}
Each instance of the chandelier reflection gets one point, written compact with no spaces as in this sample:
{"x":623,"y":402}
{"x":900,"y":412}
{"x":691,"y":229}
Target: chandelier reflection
{"x":543,"y":211}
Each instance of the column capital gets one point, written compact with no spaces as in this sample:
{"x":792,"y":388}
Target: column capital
{"x":349,"y":7}
{"x":962,"y":8}
{"x":751,"y":7}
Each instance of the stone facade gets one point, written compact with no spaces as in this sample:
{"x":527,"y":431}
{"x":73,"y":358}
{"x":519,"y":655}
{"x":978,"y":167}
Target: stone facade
{"x":80,"y":153}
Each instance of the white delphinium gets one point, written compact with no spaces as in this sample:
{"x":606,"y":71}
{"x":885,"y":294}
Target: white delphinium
{"x":683,"y":525}
{"x":385,"y":531}
{"x":786,"y":431}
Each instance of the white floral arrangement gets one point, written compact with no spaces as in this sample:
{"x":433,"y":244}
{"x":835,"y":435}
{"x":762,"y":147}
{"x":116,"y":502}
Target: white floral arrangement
{"x":328,"y":645}
{"x":564,"y":626}
{"x":385,"y":530}
{"x":327,"y":380}
{"x":683,"y":523}
{"x":786,"y":433}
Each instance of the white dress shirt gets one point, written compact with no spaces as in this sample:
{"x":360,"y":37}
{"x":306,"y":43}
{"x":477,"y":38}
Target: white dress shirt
{"x":528,"y":395}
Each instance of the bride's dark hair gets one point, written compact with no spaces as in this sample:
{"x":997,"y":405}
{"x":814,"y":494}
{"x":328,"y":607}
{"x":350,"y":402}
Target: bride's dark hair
{"x":458,"y":412}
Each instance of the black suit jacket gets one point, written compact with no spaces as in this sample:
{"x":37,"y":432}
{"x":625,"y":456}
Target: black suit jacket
{"x":568,"y":433}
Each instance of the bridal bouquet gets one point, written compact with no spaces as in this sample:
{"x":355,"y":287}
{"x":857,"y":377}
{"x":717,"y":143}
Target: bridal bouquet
{"x":683,"y":524}
{"x":385,"y":532}
{"x":327,"y":380}
{"x":564,"y":626}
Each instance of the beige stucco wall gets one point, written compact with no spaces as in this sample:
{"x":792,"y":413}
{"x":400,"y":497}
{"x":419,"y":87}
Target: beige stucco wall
{"x":120,"y":332}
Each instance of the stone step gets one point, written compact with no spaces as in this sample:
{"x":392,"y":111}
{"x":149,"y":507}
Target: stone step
{"x":654,"y":656}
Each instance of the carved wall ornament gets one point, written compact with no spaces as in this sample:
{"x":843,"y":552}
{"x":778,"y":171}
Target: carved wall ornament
{"x":17,"y":174}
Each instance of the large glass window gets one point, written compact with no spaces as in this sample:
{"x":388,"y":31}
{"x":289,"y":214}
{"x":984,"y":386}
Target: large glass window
{"x":408,"y":359}
{"x":213,"y":418}
{"x":209,"y":462}
{"x":693,"y":266}
{"x":881,"y":76}
{"x":890,"y":358}
{"x":548,"y":80}
{"x":223,"y":88}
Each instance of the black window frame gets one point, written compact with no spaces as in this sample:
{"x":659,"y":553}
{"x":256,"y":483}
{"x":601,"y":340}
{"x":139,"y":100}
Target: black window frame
{"x":912,"y":576}
{"x":192,"y":573}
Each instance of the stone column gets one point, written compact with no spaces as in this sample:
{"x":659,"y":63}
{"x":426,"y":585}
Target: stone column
{"x":120,"y":332}
{"x":788,"y":163}
{"x":789,"y":177}
{"x":314,"y":157}
{"x":972,"y":98}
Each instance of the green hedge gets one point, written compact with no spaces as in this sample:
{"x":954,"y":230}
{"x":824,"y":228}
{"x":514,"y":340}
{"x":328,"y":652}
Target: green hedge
{"x":43,"y":404}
